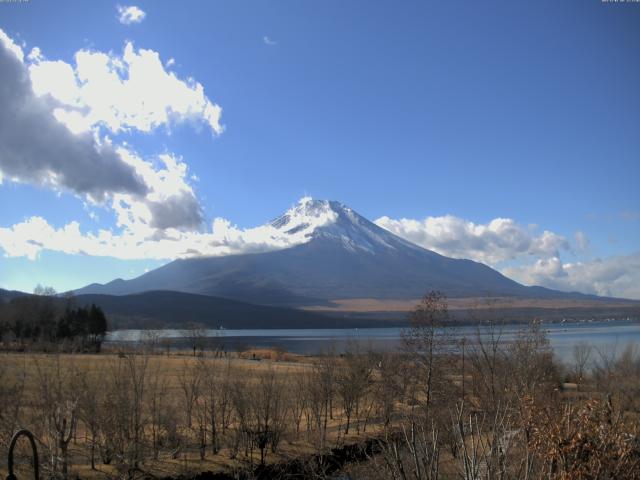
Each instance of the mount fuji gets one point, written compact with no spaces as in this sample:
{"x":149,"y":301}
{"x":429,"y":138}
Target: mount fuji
{"x":327,"y":252}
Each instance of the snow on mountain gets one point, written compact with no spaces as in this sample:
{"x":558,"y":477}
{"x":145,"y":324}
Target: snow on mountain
{"x":305,"y":217}
{"x":314,"y":219}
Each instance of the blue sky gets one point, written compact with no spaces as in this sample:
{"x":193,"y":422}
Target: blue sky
{"x":462,"y":112}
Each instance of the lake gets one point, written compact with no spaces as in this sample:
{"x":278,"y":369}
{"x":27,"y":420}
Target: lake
{"x":606,"y":336}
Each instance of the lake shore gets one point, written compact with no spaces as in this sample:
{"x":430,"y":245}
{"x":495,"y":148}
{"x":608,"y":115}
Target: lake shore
{"x":563,"y":337}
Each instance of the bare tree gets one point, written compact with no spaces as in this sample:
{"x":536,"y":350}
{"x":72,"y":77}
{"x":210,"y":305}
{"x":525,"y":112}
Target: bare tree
{"x":156,"y":404}
{"x":137,"y":369}
{"x":388,"y":389}
{"x":241,"y":401}
{"x":195,"y":334}
{"x":321,"y":393}
{"x":214,"y":395}
{"x":533,"y":372}
{"x":89,"y":408}
{"x":123,"y":427}
{"x":268,"y":412}
{"x":413,"y":453}
{"x":485,"y":442}
{"x":353,"y":379}
{"x":426,"y":340}
{"x":487,"y":357}
{"x":189,"y":380}
{"x":201,"y":410}
{"x":582,"y":352}
{"x":627,"y":372}
{"x":12,"y":390}
{"x":299,"y":399}
{"x":59,"y":398}
{"x":150,"y":341}
{"x":225,"y":395}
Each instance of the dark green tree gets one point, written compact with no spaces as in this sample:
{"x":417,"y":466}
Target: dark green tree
{"x":97,"y":324}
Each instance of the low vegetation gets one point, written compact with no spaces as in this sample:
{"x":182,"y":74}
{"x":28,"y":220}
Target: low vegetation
{"x":478,"y":408}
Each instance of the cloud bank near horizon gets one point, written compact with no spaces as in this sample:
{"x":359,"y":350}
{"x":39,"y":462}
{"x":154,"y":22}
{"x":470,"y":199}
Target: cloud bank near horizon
{"x":617,"y":276}
{"x":503,"y":240}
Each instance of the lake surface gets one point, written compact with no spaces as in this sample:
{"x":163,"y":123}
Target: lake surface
{"x":612,"y":336}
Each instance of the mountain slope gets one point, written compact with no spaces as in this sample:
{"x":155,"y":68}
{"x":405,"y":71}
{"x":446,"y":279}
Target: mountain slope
{"x":177,"y":309}
{"x":162,"y":309}
{"x":8,"y":295}
{"x":336,"y":254}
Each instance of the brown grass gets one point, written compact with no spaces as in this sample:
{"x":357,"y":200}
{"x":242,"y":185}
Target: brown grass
{"x":248,"y":365}
{"x":403,"y":305}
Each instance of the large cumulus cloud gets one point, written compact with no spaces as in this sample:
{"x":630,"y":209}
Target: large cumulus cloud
{"x":55,"y":117}
{"x":499,"y":240}
{"x":617,"y":276}
{"x":122,"y":92}
{"x":36,"y":148}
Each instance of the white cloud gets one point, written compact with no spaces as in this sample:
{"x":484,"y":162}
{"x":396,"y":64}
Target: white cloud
{"x":169,"y":203}
{"x":35,"y":234}
{"x":35,"y":55}
{"x":132,"y":91}
{"x":36,"y":148}
{"x":51,"y":132}
{"x":131,"y":14}
{"x":56,"y":78}
{"x":268,"y":41}
{"x":503,"y":240}
{"x":11,"y":46}
{"x":617,"y":276}
{"x":499,"y":240}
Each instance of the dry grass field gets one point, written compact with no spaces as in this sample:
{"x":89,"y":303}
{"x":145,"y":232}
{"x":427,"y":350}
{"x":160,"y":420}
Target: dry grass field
{"x":177,"y":372}
{"x":363,"y":305}
{"x":488,"y":409}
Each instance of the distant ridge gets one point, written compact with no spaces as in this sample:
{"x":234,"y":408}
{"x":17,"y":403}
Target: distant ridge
{"x":177,"y":310}
{"x":8,"y":295}
{"x":166,"y":309}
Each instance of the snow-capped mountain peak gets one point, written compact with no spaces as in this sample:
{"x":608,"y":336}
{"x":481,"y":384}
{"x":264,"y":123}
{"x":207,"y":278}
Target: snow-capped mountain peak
{"x":331,"y":220}
{"x":307,"y":215}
